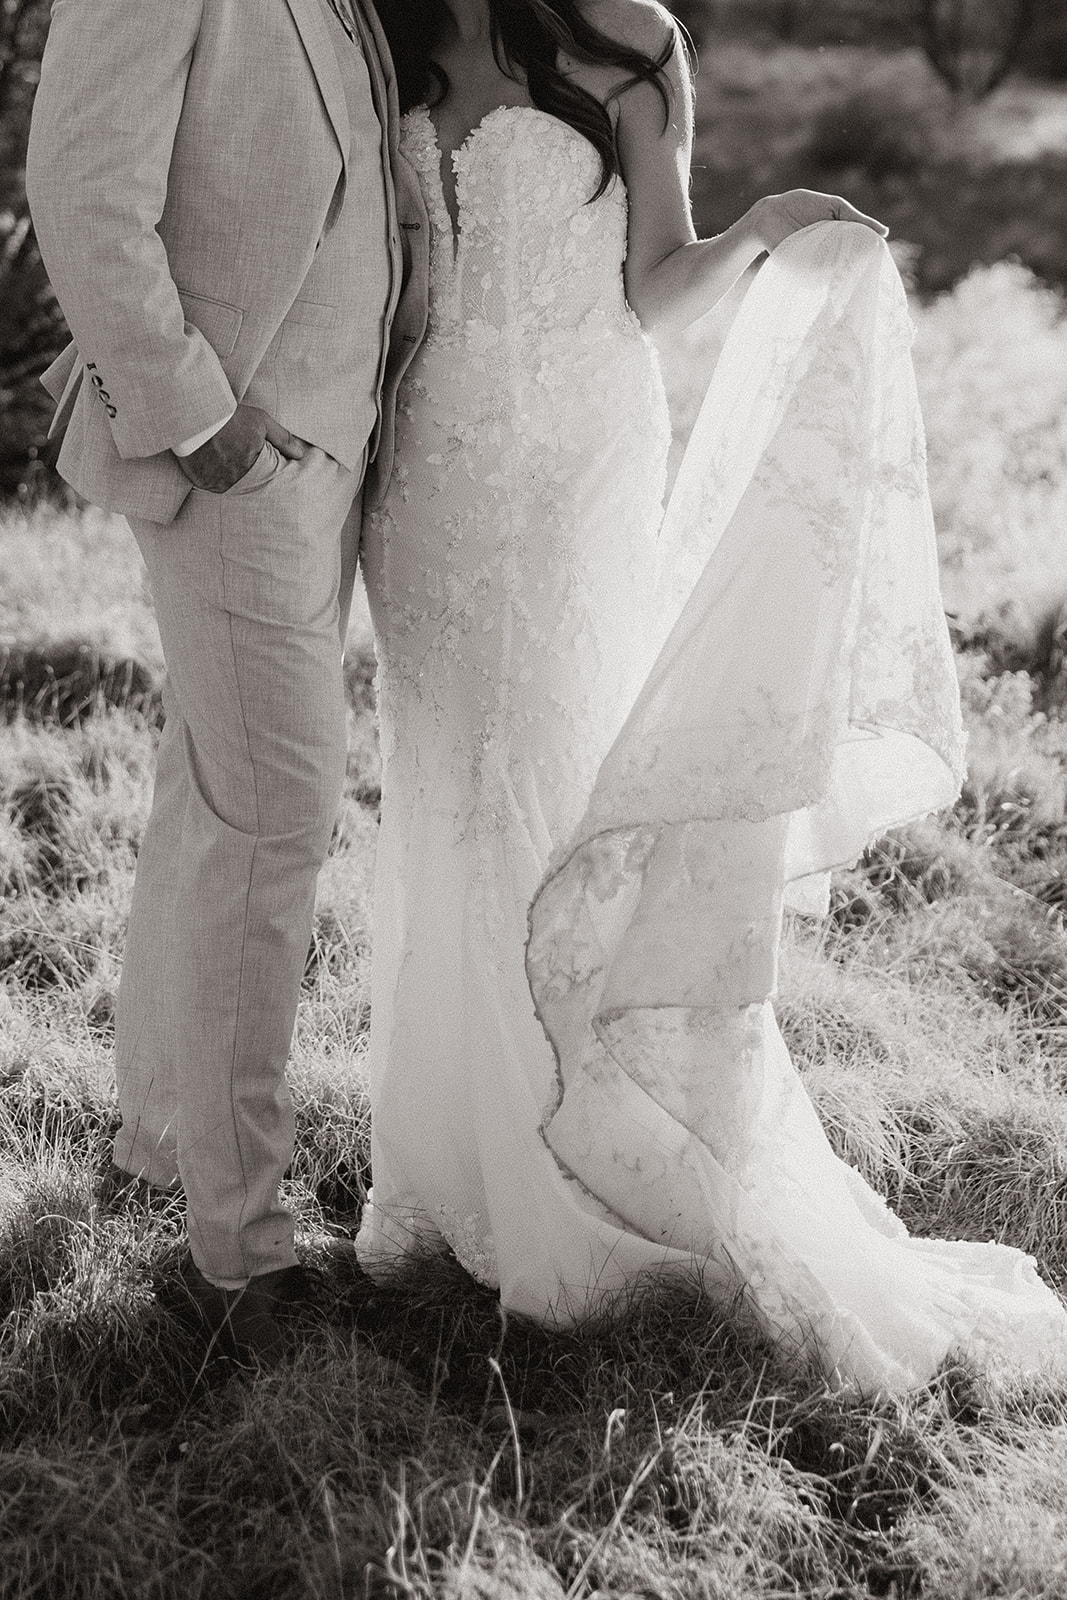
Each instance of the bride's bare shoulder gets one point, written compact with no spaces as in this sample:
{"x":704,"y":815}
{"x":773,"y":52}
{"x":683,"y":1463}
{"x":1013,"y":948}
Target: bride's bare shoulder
{"x":643,"y":25}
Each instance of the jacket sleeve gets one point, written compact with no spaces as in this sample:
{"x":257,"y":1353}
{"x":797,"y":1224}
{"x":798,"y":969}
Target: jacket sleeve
{"x":112,"y":87}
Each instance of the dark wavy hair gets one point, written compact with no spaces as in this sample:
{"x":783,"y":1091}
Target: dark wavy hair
{"x":528,"y":35}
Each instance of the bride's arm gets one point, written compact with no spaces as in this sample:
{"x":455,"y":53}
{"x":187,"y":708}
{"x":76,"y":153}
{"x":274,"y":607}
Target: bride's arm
{"x":672,"y":277}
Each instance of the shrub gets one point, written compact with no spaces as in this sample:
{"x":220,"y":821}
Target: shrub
{"x":1025,"y":638}
{"x":31,"y":327}
{"x":1044,"y":52}
{"x":1015,"y":793}
{"x":959,"y":185}
{"x":973,"y":44}
{"x":991,"y":362}
{"x":894,"y":122}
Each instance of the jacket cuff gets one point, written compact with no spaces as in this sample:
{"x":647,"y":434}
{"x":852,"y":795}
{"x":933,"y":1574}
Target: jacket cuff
{"x":187,"y":446}
{"x":149,"y":430}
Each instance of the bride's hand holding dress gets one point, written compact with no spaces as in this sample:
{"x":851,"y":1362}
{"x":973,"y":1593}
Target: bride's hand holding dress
{"x":671,"y":277}
{"x":616,"y":740}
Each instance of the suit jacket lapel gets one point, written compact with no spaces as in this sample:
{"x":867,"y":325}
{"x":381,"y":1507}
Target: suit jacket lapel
{"x":374,"y":35}
{"x":314,"y":32}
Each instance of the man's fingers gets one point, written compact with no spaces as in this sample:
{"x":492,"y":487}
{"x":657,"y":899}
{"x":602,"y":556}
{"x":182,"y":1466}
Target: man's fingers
{"x":286,"y":443}
{"x":231,"y":453}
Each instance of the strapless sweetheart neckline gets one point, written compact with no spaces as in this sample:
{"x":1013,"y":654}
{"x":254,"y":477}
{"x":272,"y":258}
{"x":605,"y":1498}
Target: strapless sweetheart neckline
{"x":448,"y":159}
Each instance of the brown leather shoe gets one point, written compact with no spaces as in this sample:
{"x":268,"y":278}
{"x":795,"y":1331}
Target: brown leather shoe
{"x":244,"y":1323}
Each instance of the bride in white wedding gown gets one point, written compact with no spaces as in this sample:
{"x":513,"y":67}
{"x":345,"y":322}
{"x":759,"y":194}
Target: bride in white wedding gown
{"x":615,"y":741}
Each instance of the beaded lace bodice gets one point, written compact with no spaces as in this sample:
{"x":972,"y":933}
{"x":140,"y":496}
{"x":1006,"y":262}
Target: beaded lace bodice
{"x":535,"y":373}
{"x":557,"y":261}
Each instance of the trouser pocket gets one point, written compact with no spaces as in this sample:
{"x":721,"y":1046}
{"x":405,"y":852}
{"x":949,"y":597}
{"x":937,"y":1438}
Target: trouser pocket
{"x":266,"y":466}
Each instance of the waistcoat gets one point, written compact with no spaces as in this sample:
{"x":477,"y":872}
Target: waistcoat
{"x":321,"y":375}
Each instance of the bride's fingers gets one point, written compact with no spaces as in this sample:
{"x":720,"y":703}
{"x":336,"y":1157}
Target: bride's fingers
{"x":842,"y":211}
{"x":805,"y":206}
{"x":779,"y":215}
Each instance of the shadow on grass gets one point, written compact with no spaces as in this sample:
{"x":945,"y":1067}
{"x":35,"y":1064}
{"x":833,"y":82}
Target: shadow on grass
{"x":413,"y":1422}
{"x":67,"y":682}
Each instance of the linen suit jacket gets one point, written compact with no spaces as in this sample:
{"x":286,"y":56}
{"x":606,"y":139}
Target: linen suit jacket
{"x":186,"y":159}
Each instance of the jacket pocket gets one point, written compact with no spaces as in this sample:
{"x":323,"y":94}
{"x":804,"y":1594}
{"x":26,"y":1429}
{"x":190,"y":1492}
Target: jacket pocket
{"x":219,"y":322}
{"x":311,"y":314}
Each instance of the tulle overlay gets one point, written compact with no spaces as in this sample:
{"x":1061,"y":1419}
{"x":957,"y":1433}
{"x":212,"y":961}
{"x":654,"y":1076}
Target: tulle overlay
{"x":620,"y":741}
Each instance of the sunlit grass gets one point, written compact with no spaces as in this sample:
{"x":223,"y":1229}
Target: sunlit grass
{"x":992,"y":366}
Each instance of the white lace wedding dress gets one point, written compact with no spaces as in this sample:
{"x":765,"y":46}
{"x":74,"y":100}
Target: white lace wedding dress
{"x":613,"y":740}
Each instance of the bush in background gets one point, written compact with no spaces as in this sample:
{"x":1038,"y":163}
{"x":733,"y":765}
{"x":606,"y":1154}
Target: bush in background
{"x":895,"y":122}
{"x":963,"y":184}
{"x":991,"y":361}
{"x":971,"y":43}
{"x":31,"y":326}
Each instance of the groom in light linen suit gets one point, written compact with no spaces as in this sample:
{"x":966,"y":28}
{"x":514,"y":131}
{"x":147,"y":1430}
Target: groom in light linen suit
{"x":240,"y":254}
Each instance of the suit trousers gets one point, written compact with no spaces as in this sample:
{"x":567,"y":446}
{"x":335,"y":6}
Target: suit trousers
{"x":252,"y":590}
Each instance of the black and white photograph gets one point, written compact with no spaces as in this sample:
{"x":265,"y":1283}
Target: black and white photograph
{"x":533,"y":799}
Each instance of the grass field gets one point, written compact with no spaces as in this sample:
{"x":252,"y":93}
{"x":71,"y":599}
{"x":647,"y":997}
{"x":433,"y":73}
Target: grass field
{"x":417,"y":1444}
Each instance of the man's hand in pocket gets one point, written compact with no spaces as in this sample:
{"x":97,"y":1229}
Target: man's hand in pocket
{"x":229,"y":454}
